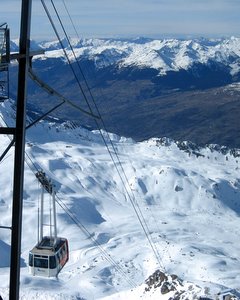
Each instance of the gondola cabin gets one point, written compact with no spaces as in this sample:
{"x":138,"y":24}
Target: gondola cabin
{"x":48,"y":257}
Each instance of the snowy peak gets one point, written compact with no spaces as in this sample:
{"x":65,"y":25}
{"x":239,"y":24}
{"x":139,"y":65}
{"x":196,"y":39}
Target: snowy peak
{"x":163,"y":55}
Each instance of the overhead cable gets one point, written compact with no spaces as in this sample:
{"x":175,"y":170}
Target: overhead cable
{"x":65,"y":53}
{"x":136,"y":207}
{"x":52,"y":91}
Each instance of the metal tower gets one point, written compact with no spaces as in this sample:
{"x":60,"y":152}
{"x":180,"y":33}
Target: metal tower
{"x":18,"y":133}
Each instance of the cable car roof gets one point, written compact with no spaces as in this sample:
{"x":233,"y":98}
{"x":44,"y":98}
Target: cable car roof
{"x":48,"y":245}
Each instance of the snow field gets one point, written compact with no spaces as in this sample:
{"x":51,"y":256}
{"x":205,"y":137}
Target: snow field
{"x":190,"y":205}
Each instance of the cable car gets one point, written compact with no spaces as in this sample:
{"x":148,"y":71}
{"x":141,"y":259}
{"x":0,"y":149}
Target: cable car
{"x":51,"y":253}
{"x":48,"y":257}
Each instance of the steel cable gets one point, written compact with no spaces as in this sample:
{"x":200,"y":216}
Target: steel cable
{"x":136,"y":208}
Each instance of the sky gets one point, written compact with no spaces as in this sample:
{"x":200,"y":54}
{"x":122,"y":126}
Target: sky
{"x":130,"y":18}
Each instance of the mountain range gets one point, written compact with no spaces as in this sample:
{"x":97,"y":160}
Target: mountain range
{"x":183,"y":89}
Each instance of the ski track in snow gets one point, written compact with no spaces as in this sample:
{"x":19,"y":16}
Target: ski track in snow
{"x":190,"y":204}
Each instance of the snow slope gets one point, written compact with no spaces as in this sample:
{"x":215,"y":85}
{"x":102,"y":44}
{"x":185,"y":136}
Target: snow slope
{"x":163,"y":55}
{"x":189,"y":200}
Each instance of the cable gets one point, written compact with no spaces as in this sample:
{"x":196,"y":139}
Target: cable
{"x":51,"y":91}
{"x":80,"y":66}
{"x":65,"y":53}
{"x":74,"y":55}
{"x":71,"y":20}
{"x":89,"y":235}
{"x":136,"y":208}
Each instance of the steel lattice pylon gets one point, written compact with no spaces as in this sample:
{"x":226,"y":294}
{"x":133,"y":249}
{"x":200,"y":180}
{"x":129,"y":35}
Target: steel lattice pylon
{"x":18,"y":133}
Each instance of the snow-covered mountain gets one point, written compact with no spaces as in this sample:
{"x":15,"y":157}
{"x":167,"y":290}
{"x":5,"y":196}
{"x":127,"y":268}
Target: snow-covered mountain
{"x":168,"y":86}
{"x":163,"y":55}
{"x":187,"y":197}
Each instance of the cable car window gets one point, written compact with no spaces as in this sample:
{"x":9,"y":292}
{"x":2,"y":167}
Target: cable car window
{"x":30,"y":259}
{"x":52,"y":262}
{"x":41,"y":262}
{"x":58,"y":257}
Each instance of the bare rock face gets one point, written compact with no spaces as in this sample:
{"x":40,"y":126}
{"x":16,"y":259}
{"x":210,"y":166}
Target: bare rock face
{"x":166,"y":283}
{"x":172,"y":285}
{"x":177,"y":289}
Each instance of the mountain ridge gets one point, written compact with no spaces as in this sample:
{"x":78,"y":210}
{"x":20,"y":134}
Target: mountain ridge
{"x":163,"y":55}
{"x":183,"y":89}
